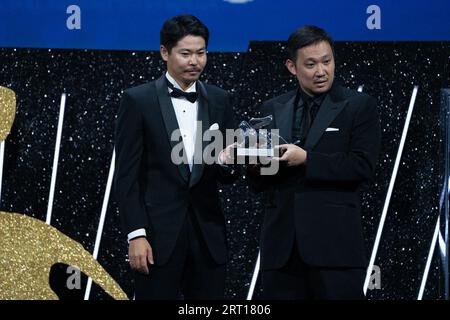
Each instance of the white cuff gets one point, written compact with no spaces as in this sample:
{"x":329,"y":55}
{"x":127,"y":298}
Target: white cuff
{"x":218,"y":158}
{"x":220,"y":161}
{"x":137,"y":233}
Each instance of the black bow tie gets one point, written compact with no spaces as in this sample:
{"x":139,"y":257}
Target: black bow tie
{"x":176,"y":93}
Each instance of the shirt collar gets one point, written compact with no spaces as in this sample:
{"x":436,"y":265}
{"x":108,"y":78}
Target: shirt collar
{"x":192,"y":88}
{"x":302,"y":97}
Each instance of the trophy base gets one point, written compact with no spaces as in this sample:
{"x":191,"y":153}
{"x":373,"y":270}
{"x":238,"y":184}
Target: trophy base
{"x":254,"y":152}
{"x":254,"y":155}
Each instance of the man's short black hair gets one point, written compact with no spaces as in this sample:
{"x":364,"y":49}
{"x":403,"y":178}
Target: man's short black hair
{"x":304,"y":37}
{"x":176,"y":28}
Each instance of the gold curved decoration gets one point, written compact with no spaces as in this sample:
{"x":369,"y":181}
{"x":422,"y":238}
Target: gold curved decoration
{"x":7,"y":111}
{"x":29,"y":248}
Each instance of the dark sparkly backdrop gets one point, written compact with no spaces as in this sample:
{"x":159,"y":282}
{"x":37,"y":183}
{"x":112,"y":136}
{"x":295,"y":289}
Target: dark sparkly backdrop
{"x":94,"y":81}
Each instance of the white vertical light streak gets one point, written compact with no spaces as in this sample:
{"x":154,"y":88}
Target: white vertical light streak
{"x":56,"y":159}
{"x":430,"y":256}
{"x":254,"y":278}
{"x":391,"y":187}
{"x":102,"y":220}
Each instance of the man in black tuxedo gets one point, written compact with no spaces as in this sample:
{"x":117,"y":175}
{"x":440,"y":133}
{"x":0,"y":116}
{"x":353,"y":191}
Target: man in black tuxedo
{"x":312,"y":244}
{"x":170,"y":211}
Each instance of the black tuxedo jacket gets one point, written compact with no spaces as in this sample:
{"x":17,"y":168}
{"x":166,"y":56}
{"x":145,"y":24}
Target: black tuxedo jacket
{"x":318,"y":204}
{"x":153,"y":192}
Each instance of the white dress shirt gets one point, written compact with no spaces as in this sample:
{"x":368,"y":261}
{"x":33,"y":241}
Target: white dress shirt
{"x":186,"y":113}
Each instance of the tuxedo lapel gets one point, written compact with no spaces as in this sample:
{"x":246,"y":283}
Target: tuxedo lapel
{"x":170,"y":121}
{"x":203,"y":124}
{"x":332,"y":105}
{"x":284,"y":113}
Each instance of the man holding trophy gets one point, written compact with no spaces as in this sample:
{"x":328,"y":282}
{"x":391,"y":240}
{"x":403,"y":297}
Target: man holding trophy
{"x":311,"y":241}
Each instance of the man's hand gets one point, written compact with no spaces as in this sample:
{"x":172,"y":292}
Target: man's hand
{"x":139,"y":252}
{"x":226,"y":156}
{"x":293,"y":155}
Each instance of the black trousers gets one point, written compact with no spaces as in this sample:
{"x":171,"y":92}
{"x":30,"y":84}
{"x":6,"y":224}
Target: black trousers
{"x":299,"y":281}
{"x":191,"y":273}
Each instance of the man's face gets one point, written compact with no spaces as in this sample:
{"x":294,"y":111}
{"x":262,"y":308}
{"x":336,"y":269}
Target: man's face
{"x":186,"y":61}
{"x":314,"y":68}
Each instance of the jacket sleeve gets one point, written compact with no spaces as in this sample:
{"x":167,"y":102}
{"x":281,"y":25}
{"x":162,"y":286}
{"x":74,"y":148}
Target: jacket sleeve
{"x":358,"y":163}
{"x":129,"y":150}
{"x":228,"y":173}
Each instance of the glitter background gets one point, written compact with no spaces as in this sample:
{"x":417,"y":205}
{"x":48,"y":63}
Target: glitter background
{"x":94,"y":80}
